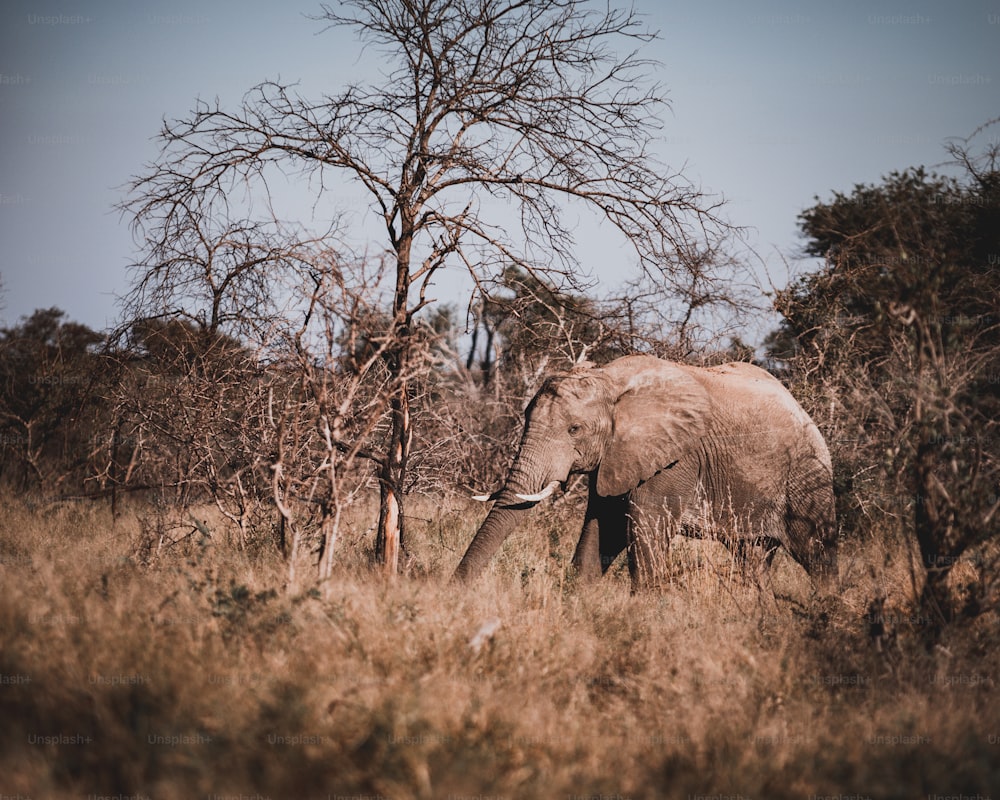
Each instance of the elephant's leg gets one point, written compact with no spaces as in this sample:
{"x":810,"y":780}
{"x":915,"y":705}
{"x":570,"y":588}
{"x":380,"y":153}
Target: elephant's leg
{"x":643,"y":556}
{"x":648,"y":549}
{"x":813,"y":544}
{"x":603,"y":536}
{"x":653,"y":518}
{"x":587,"y":558}
{"x":614,"y":530}
{"x":755,"y":556}
{"x":811,"y":529}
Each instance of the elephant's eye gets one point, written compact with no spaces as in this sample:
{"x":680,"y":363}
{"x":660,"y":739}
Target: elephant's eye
{"x":574,"y":429}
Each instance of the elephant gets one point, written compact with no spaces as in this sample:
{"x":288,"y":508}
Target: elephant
{"x":669,"y":449}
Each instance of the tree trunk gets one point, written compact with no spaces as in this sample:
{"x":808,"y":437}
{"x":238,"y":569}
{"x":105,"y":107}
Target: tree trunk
{"x":932,"y":516}
{"x":470,"y":362}
{"x":390,"y":540}
{"x":930,"y":527}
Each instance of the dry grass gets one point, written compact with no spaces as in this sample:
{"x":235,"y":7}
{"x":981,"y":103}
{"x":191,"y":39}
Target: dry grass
{"x":199,"y":673}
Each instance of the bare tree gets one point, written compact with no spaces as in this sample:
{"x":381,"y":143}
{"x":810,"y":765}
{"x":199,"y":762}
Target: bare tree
{"x":536,"y":104}
{"x":329,"y":421}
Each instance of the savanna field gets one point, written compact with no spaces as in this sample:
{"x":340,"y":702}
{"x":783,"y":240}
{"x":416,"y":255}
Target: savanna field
{"x":148,"y":656}
{"x":285,"y":341}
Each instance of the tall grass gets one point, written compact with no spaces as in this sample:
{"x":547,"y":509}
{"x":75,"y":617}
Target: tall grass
{"x":192,"y":670}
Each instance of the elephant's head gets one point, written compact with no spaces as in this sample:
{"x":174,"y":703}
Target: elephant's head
{"x":621,"y":424}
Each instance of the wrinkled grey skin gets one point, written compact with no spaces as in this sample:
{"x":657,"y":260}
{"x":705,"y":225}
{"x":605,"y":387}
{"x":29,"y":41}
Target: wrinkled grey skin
{"x":671,"y":449}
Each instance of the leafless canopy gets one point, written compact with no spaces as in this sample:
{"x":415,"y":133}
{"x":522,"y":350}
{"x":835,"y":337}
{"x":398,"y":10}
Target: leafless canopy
{"x":532,"y":103}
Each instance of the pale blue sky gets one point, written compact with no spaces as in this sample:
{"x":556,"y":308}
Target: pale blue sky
{"x":772,"y":103}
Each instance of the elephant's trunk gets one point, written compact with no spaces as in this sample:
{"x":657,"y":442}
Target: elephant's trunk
{"x":498,"y":525}
{"x":528,"y":478}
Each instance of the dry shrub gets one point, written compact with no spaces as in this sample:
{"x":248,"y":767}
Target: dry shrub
{"x":202,"y":674}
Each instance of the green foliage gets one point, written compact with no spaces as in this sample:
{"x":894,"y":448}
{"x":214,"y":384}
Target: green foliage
{"x":895,"y":345}
{"x":526,"y":322}
{"x":187,"y":408}
{"x":917,"y":241}
{"x":52,"y":381}
{"x":173,"y":346}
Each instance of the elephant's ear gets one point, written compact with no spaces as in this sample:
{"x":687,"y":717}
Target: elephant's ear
{"x":657,"y":420}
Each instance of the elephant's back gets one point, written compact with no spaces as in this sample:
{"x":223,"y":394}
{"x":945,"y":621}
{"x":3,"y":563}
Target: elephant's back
{"x":746,"y":386}
{"x":752,"y":399}
{"x":742,"y":370}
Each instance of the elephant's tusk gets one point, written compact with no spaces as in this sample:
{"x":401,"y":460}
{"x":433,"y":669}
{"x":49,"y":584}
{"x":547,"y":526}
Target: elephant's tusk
{"x":534,"y":498}
{"x":483,"y":498}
